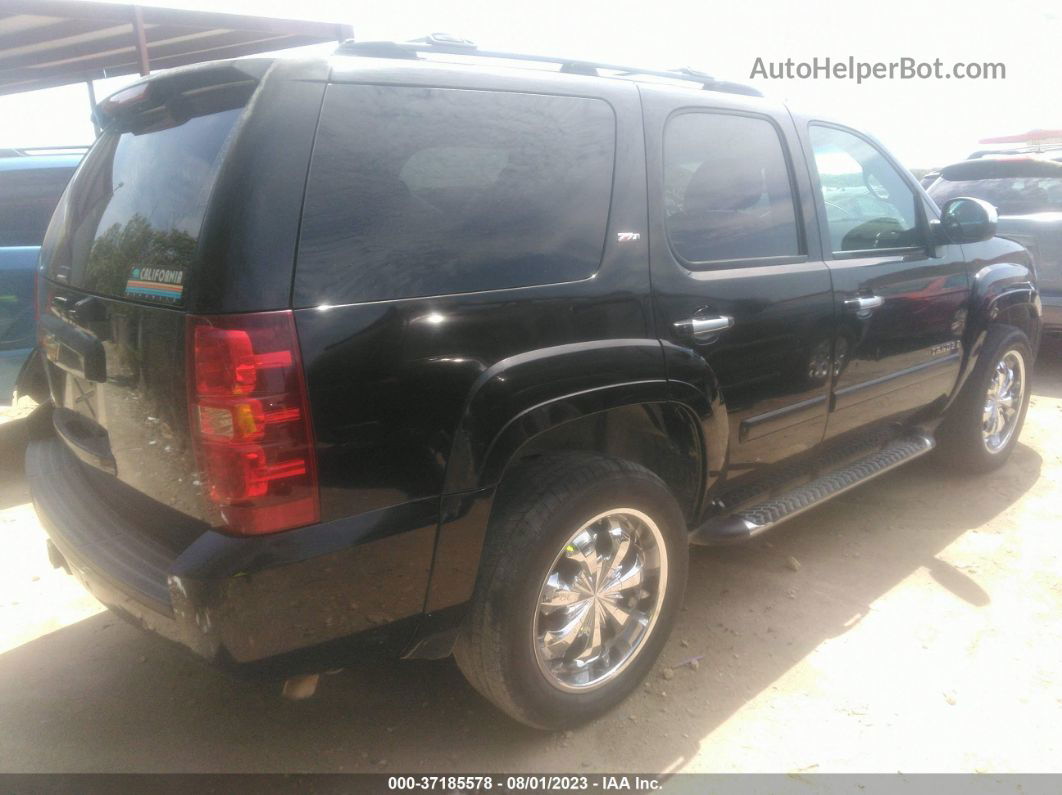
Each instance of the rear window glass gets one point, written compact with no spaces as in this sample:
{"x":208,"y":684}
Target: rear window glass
{"x":27,"y":200}
{"x":129,"y":226}
{"x":416,"y":192}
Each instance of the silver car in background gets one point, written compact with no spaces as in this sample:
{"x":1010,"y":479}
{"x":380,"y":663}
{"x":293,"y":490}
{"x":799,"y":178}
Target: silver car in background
{"x":1026,"y":190}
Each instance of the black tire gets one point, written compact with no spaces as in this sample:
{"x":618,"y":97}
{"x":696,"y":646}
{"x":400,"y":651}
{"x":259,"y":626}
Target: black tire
{"x":962,"y":441}
{"x":538,"y":510}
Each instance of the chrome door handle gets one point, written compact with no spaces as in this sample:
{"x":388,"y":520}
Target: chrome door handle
{"x":863,"y":305}
{"x":703,"y":327}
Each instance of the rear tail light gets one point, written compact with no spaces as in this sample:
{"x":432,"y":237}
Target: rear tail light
{"x":250,"y":420}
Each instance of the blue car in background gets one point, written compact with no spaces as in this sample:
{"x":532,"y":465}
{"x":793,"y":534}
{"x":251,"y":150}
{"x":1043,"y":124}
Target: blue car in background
{"x":31,"y":182}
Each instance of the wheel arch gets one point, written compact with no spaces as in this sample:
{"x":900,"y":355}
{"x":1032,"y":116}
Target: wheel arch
{"x":561,"y":400}
{"x":1003,"y":293}
{"x":561,"y":391}
{"x":662,"y":436}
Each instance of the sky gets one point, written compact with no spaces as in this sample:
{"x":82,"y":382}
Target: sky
{"x":925,"y":123}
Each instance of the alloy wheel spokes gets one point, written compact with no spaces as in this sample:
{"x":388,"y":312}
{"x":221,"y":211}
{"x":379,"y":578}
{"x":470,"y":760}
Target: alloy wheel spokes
{"x":621,"y":544}
{"x":591,"y":632}
{"x":558,"y":641}
{"x":617,"y":611}
{"x":631,"y":578}
{"x":560,"y":595}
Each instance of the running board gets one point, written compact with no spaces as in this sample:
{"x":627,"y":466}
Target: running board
{"x":752,"y":521}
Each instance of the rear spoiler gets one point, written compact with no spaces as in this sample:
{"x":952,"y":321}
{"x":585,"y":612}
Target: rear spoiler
{"x":1002,"y":168}
{"x":173,"y":91}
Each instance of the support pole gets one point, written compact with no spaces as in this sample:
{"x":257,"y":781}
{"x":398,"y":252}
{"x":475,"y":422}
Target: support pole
{"x":141,"y":41}
{"x":92,"y":104}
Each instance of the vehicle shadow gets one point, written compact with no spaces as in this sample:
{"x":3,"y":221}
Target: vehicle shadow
{"x":101,"y":696}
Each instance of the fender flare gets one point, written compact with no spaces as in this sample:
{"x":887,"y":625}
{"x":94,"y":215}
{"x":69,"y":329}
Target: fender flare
{"x":997,"y":290}
{"x":521,"y":396}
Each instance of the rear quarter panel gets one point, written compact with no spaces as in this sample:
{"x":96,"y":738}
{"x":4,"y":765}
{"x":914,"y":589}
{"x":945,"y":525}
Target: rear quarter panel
{"x":401,"y":389}
{"x":410,"y":396}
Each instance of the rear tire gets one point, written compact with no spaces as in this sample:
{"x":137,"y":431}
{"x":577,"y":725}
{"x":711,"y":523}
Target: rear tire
{"x":582,"y":576}
{"x":982,"y":427}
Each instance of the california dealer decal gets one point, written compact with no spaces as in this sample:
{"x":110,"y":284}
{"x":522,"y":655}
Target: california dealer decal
{"x":156,"y":283}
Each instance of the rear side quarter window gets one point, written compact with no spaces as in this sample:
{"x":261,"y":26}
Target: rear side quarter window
{"x":422,"y":191}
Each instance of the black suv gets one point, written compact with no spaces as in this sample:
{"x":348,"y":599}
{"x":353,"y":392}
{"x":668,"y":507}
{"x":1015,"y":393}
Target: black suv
{"x":418,"y":352}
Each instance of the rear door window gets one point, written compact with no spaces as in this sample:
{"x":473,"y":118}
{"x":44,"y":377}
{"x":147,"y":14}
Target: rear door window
{"x":418,"y":191}
{"x":727,"y":189}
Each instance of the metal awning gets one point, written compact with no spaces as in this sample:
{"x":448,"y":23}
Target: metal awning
{"x":46,"y":43}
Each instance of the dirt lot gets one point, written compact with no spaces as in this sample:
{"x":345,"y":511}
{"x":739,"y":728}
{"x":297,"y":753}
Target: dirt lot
{"x":921,"y":630}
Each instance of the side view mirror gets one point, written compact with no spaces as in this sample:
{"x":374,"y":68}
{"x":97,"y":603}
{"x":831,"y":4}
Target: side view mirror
{"x":967,"y":220}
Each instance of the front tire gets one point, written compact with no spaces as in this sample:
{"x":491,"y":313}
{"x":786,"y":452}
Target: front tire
{"x":583,"y":574}
{"x":982,"y":427}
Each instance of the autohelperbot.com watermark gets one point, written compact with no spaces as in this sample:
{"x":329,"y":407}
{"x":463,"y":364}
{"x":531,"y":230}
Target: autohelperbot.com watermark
{"x":851,"y":68}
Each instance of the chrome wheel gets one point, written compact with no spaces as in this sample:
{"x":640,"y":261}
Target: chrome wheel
{"x":1003,"y":401}
{"x":600,"y":599}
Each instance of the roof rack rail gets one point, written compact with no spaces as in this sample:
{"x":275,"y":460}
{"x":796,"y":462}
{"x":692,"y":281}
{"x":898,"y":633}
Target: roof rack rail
{"x":443,"y":43}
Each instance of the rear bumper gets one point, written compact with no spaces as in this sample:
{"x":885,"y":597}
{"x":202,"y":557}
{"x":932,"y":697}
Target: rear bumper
{"x":303,"y":600}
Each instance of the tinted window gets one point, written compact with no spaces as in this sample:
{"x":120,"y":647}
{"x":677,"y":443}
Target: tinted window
{"x":27,"y":200}
{"x":416,"y":192}
{"x":727,"y":189}
{"x":129,"y":226}
{"x":868,"y":203}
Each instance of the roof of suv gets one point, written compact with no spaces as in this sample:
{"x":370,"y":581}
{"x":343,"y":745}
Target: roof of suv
{"x":440,"y":55}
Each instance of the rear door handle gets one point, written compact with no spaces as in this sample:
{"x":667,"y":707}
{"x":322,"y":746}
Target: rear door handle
{"x":703,"y":327}
{"x":864,"y":305}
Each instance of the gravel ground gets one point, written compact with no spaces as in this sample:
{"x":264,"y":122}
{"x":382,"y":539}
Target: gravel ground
{"x":912,"y":624}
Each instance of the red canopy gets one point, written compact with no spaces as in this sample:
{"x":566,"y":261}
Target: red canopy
{"x":1033,"y":136}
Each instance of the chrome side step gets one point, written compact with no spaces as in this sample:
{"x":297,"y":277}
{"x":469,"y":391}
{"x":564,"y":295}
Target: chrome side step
{"x":751,"y":521}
